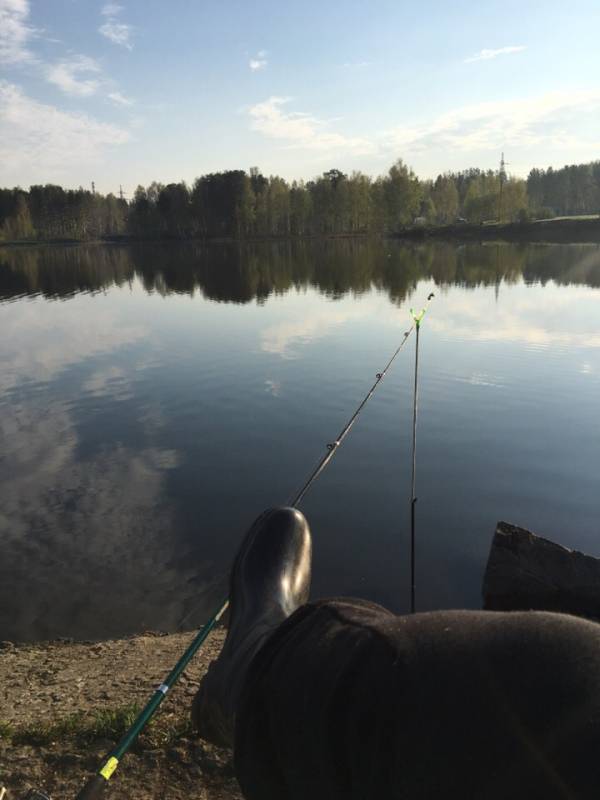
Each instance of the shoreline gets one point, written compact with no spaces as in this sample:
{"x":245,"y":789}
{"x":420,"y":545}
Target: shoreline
{"x":66,"y":703}
{"x":567,"y":230}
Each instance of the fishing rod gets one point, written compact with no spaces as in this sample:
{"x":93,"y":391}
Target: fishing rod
{"x":417,"y":319}
{"x":333,"y":446}
{"x":96,"y":785}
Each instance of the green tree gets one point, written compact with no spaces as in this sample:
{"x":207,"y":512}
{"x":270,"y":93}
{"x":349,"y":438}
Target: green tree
{"x":445,"y":199}
{"x":402,"y":195}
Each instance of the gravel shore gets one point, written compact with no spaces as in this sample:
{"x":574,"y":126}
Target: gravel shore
{"x":63,"y":704}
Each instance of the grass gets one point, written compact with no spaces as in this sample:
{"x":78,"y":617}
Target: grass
{"x":110,"y":724}
{"x":6,"y":730}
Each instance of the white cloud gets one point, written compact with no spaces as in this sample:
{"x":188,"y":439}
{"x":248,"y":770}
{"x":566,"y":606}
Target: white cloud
{"x":81,"y":76}
{"x":111,"y":9}
{"x":486,"y":55}
{"x":15,"y":32}
{"x":66,"y":74}
{"x":259,"y":61}
{"x":118,"y":32}
{"x":39,"y":141}
{"x":300,"y":130}
{"x":553,"y":119}
{"x":559,"y":120}
{"x":119,"y":99}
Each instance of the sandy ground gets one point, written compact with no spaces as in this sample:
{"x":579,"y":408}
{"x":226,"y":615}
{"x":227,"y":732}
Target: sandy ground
{"x":42,"y":684}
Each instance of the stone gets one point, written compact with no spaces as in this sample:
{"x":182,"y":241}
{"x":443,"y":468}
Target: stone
{"x":525,"y":571}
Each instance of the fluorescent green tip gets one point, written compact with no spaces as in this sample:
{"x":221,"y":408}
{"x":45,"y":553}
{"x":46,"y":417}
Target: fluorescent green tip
{"x":417,"y":317}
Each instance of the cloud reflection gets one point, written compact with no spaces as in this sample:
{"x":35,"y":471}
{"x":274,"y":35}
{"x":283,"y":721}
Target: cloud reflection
{"x":568,"y":317}
{"x":40,"y":340}
{"x":87,"y":543}
{"x":285,"y":338}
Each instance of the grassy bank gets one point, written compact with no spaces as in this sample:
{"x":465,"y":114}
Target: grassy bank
{"x":561,"y":230}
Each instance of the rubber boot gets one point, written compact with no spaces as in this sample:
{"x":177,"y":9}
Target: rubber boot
{"x":269,"y":580}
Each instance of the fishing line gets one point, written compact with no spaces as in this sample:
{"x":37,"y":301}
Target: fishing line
{"x":333,"y":446}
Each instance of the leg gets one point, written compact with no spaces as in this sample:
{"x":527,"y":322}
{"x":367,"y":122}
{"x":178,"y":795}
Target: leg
{"x":269,"y":580}
{"x":346,"y":700}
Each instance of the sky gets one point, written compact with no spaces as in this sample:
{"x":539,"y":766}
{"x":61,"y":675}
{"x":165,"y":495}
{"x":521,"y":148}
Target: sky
{"x":124,"y":93}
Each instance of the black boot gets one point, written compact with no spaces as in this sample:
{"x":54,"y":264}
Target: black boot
{"x":270,"y":578}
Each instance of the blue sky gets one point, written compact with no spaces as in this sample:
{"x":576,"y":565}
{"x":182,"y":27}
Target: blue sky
{"x":132,"y":91}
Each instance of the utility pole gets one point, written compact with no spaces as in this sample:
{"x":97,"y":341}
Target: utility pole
{"x":503,"y":178}
{"x":93,"y":188}
{"x":120,"y":191}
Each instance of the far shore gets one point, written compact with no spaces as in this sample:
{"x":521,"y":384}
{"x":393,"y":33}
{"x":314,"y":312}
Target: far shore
{"x":568,"y":230}
{"x":562,"y":229}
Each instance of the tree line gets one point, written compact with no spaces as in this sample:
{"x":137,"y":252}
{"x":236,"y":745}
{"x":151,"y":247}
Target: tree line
{"x":243,"y":205}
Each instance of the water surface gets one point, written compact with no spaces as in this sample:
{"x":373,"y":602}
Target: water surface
{"x":155,"y":399}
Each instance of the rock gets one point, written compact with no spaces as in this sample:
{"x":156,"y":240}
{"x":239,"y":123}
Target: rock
{"x":525,"y":571}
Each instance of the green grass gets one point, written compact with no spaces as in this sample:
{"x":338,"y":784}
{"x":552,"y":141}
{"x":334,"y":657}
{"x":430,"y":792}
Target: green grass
{"x":112,"y":723}
{"x":108,"y":724}
{"x":6,"y":730}
{"x":41,"y":733}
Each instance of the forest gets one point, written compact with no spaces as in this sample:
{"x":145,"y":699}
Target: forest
{"x":245,"y":205}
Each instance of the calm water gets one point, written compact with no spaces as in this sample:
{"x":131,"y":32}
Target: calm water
{"x":155,"y":399}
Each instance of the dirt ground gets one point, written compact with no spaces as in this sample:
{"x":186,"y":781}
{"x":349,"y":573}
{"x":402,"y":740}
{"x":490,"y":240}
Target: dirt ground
{"x":62,"y":706}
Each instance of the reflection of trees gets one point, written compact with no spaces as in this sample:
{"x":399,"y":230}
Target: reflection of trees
{"x":564,"y":264}
{"x":243,"y":273}
{"x":57,"y":272}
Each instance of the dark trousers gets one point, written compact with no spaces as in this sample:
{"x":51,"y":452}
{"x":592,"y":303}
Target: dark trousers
{"x":347,"y":700}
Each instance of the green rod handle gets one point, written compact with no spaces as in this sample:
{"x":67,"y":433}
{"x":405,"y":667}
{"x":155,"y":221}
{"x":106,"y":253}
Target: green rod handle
{"x":97,"y":784}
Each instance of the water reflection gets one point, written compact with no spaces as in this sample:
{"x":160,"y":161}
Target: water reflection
{"x":89,"y":541}
{"x":173,"y":392}
{"x":236,"y":274}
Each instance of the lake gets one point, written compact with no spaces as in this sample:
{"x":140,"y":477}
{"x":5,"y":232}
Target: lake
{"x":156,"y":398}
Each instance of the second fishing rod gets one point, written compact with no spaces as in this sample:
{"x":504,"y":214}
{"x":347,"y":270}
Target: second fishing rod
{"x":417,"y":318}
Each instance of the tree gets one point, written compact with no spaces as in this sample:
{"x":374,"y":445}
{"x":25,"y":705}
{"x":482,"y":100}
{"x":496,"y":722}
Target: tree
{"x":18,"y":224}
{"x":236,"y":204}
{"x":445,"y":199}
{"x":402,"y":195}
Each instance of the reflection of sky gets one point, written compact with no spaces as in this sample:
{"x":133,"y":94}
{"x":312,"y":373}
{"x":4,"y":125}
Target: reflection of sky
{"x":299,"y":328}
{"x":69,"y":524}
{"x":567,"y":317}
{"x":86,"y":541}
{"x":39,"y":339}
{"x":141,"y":433}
